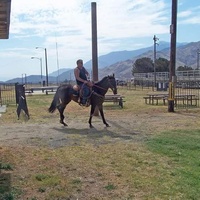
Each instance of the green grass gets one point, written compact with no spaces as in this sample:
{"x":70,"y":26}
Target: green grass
{"x":183,"y":150}
{"x":110,"y":186}
{"x":7,"y":196}
{"x":101,"y":165}
{"x":6,"y":166}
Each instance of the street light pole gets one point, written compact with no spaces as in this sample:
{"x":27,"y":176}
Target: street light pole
{"x":154,"y":60}
{"x":198,"y":52}
{"x":47,"y":78}
{"x":40,"y":66}
{"x":45,"y":50}
{"x":24,"y":79}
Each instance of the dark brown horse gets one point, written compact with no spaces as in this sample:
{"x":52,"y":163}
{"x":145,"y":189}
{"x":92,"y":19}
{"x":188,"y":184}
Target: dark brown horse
{"x":65,"y":93}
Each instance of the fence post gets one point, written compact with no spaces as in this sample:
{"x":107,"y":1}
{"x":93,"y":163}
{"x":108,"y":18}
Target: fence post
{"x":0,"y":97}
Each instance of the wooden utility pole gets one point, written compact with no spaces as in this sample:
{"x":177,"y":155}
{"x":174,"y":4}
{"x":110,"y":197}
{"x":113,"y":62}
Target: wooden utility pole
{"x":94,"y":43}
{"x":172,"y":68}
{"x":94,"y":48}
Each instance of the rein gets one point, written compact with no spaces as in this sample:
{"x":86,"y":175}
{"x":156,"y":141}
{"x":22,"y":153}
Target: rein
{"x":102,"y":87}
{"x":99,"y":87}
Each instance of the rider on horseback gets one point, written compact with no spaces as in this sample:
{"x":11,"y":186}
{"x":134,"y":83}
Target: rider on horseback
{"x":81,"y":79}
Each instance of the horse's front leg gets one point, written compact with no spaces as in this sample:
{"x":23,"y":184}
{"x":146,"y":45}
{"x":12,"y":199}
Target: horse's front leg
{"x":61,"y":109}
{"x":91,"y":115}
{"x":102,"y":115}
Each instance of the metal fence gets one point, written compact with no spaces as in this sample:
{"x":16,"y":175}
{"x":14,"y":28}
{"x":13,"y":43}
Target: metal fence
{"x":7,"y":94}
{"x":187,"y":94}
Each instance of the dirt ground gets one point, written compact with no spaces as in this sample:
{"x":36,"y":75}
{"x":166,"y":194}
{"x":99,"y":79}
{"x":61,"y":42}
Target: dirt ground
{"x":127,"y":126}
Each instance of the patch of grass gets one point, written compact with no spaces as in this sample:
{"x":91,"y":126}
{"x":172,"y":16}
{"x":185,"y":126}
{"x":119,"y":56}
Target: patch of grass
{"x":6,"y":166}
{"x":76,"y":181}
{"x":182,"y":147}
{"x":13,"y":194}
{"x":41,"y":177}
{"x":110,"y":186}
{"x":41,"y":189}
{"x":47,"y":180}
{"x":7,"y":196}
{"x":100,"y":163}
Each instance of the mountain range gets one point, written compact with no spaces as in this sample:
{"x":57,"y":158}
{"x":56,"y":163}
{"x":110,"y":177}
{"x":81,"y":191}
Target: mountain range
{"x":121,"y":62}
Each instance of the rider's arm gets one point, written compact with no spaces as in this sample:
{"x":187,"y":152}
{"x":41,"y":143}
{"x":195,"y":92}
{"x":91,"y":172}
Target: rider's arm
{"x":77,"y":76}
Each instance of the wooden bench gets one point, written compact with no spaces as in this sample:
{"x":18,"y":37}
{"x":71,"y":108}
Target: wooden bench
{"x":43,"y":89}
{"x":115,"y":98}
{"x":187,"y":99}
{"x":151,"y":99}
{"x":194,"y":99}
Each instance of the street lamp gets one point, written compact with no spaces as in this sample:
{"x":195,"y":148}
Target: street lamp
{"x":24,"y":79}
{"x":154,"y":60}
{"x":45,"y":50}
{"x":40,"y":65}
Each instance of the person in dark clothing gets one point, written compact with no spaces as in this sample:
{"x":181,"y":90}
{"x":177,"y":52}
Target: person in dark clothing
{"x":81,"y":75}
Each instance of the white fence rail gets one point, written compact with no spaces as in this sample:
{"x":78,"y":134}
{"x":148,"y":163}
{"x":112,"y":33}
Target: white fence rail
{"x":164,"y":76}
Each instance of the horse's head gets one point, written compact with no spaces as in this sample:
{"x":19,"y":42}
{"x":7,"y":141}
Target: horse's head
{"x":112,"y":84}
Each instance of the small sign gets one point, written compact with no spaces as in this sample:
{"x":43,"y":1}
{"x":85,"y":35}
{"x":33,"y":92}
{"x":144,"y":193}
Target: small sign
{"x":171,"y":91}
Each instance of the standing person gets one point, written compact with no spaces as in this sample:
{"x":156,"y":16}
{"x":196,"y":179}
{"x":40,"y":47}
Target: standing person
{"x":81,"y":75}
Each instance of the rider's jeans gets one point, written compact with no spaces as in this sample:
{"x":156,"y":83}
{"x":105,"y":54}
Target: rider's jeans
{"x":85,"y":93}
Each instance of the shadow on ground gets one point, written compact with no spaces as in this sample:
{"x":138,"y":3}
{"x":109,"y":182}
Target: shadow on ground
{"x":94,"y":136}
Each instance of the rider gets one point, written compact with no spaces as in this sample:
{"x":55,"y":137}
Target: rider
{"x":81,"y":79}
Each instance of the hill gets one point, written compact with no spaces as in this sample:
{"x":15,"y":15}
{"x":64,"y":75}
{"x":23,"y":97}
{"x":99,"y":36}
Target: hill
{"x":62,"y":70}
{"x":121,"y":62}
{"x":118,"y":56}
{"x":32,"y":79}
{"x":185,"y":54}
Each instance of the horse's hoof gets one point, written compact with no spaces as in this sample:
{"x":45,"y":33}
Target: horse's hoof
{"x":63,"y":123}
{"x":91,"y":126}
{"x":107,"y":125}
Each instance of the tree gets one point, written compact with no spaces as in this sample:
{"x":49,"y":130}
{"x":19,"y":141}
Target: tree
{"x":184,"y":68}
{"x":143,"y":65}
{"x":162,"y":65}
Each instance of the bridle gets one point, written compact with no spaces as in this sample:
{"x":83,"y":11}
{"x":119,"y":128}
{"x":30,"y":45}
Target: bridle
{"x":111,"y":86}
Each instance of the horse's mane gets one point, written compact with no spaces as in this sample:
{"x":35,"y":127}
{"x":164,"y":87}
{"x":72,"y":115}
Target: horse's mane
{"x":103,"y":79}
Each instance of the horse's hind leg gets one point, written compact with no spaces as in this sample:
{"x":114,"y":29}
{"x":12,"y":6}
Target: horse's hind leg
{"x":102,"y":115}
{"x":61,"y":109}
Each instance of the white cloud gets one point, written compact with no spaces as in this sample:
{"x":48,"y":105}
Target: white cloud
{"x":71,"y":21}
{"x":116,"y":19}
{"x":186,"y":13}
{"x":189,"y":16}
{"x":121,"y":24}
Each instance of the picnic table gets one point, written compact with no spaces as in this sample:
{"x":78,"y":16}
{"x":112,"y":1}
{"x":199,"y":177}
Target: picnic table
{"x":45,"y":88}
{"x":186,"y":99}
{"x":153,"y":98}
{"x":115,"y":98}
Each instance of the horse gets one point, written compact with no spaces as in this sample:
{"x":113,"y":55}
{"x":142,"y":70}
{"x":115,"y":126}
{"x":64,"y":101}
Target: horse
{"x":65,"y":94}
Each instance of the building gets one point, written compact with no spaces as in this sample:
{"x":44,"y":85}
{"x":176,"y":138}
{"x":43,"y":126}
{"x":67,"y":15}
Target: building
{"x":5,"y":8}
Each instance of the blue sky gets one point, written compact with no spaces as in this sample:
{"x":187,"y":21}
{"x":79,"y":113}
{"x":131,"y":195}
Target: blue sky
{"x":121,"y":24}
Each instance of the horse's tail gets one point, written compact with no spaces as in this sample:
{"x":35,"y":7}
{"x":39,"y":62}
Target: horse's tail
{"x":53,"y":105}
